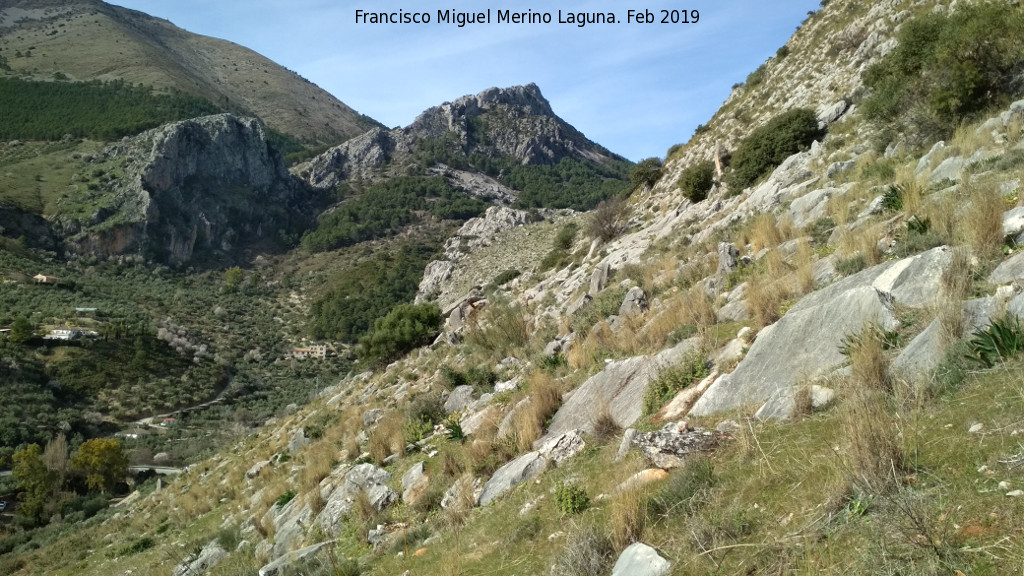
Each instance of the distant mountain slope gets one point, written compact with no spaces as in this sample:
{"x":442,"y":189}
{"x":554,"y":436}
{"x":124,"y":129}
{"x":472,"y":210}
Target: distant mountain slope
{"x":503,"y":143}
{"x":89,"y":40}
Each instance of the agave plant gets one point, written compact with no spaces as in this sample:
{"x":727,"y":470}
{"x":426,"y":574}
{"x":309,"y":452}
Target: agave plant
{"x":999,"y":341}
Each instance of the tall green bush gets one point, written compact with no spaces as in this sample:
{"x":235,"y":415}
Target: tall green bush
{"x":696,"y":181}
{"x":947,"y":68}
{"x":768,"y":146}
{"x":645,"y":173}
{"x":405,"y":328}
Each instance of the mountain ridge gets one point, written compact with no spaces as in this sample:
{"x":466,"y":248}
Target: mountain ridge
{"x":90,"y":39}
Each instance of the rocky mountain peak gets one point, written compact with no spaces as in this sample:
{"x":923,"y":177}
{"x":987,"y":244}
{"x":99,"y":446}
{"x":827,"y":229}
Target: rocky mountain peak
{"x":516,"y":122}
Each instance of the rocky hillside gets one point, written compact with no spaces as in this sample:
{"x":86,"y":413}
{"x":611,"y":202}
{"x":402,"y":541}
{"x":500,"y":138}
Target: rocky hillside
{"x":92,"y":40}
{"x":204,"y":186}
{"x":475,"y":142}
{"x":795,"y":348}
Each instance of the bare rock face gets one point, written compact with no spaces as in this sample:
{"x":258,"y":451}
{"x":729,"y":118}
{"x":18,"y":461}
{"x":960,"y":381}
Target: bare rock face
{"x":670,"y":446}
{"x":475,"y":233}
{"x":203,"y":185}
{"x":805,"y":343}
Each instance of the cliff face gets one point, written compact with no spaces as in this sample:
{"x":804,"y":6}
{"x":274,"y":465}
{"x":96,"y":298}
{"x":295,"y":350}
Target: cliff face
{"x":190,"y":188}
{"x":515,"y":123}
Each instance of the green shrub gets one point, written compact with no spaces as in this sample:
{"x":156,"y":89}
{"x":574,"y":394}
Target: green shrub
{"x":782,"y":52}
{"x":672,"y":380}
{"x":285,"y":498}
{"x":504,"y":278}
{"x":771,"y":144}
{"x":566,"y":236}
{"x":482,"y":379}
{"x":757,"y":76}
{"x":696,"y":180}
{"x":426,"y":408}
{"x":451,"y":377}
{"x":416,"y":430}
{"x":405,"y":328}
{"x":571,"y":498}
{"x":892,"y":200}
{"x":645,"y":173}
{"x":947,"y":68}
{"x":851,"y":265}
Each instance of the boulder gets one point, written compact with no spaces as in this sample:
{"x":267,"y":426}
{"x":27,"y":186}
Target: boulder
{"x":727,"y":259}
{"x":599,"y":279}
{"x":279,"y":566}
{"x":634,"y":304}
{"x":627,"y":442}
{"x":734,"y":311}
{"x":371,"y":417}
{"x":829,"y":113}
{"x":804,"y":343}
{"x":508,"y":385}
{"x":257,"y":468}
{"x":782,"y":405}
{"x":470,"y":423}
{"x":460,"y":398}
{"x":639,"y":560}
{"x":621,"y":384}
{"x":926,"y":160}
{"x":553,"y":348}
{"x":208,"y":557}
{"x":836,"y":168}
{"x":670,"y":446}
{"x":465,"y":489}
{"x":1009,"y":270}
{"x":298,"y":441}
{"x":414,"y":483}
{"x":360,"y":478}
{"x":813,"y":205}
{"x":924,"y":353}
{"x":579,"y":304}
{"x":1013,"y":221}
{"x":511,"y":475}
{"x":949,"y":169}
{"x":558,"y":450}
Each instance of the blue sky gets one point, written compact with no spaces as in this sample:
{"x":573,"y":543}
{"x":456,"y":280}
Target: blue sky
{"x":635,"y":89}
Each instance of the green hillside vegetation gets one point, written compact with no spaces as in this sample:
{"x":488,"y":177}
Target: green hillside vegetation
{"x":130,"y":371}
{"x":35,"y":110}
{"x":366,"y":291}
{"x":574,"y":183}
{"x":387,"y":207}
{"x":946,"y":70}
{"x":571,"y":183}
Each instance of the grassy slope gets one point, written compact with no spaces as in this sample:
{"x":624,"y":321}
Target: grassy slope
{"x":92,"y":40}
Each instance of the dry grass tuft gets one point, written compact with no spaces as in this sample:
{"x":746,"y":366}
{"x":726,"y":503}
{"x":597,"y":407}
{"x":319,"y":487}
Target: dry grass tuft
{"x":605,"y":426}
{"x":545,"y":399}
{"x":628,"y":518}
{"x":803,"y":403}
{"x":875,"y":455}
{"x":764,"y":301}
{"x":804,"y":275}
{"x":956,"y":286}
{"x":981,"y":226}
{"x":387,"y":438}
